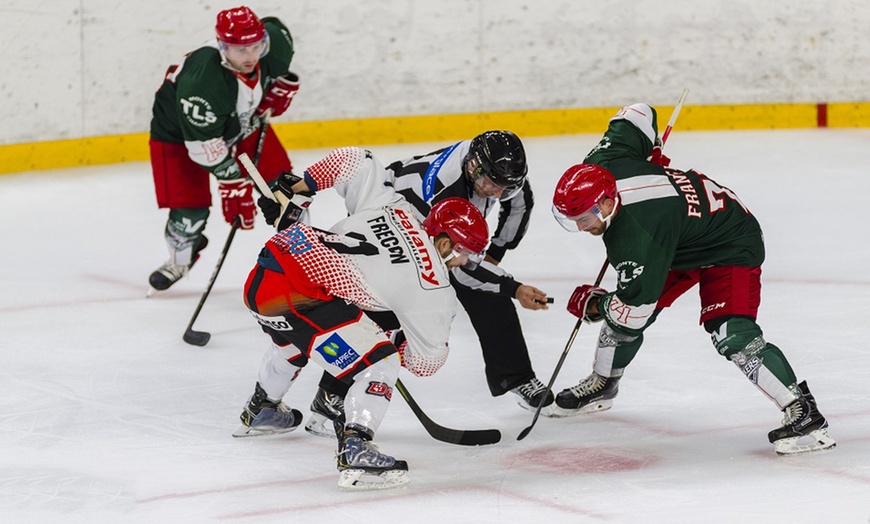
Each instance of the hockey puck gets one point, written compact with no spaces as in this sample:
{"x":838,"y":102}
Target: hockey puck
{"x":549,"y":301}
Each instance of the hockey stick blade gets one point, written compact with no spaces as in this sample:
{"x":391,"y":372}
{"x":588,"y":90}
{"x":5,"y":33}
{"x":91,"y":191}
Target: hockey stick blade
{"x":196,"y":338}
{"x":462,"y":437}
{"x":201,"y":338}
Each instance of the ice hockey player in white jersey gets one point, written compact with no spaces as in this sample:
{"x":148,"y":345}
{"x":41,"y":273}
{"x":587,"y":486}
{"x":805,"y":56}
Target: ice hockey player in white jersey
{"x":310,"y":287}
{"x":490,"y":171}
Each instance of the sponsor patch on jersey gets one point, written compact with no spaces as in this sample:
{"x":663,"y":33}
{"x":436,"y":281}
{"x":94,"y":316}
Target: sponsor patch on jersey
{"x":431,"y":175}
{"x":276,"y":323}
{"x":379,"y":389}
{"x":292,"y":241}
{"x":337,"y":352}
{"x":198,"y":111}
{"x":423,"y":258}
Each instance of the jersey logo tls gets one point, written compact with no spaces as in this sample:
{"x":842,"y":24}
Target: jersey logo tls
{"x":198,"y":111}
{"x":627,"y":271}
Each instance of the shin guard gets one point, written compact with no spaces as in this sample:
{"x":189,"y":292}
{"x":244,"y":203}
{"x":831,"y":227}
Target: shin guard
{"x":741,"y":340}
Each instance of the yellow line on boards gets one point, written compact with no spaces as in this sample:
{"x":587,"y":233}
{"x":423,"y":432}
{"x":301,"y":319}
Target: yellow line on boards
{"x":444,"y":128}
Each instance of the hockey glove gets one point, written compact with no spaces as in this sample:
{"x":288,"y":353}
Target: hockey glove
{"x":237,"y":199}
{"x":289,"y":206}
{"x":293,"y":210}
{"x":658,"y":158}
{"x":277,"y":99}
{"x":270,"y":208}
{"x":578,"y":304}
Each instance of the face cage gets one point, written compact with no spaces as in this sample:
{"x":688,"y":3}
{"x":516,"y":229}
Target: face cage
{"x":479,"y":171}
{"x":222,"y":47}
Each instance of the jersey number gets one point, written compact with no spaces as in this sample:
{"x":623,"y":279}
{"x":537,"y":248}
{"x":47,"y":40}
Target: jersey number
{"x":715,"y":192}
{"x":363,"y":248}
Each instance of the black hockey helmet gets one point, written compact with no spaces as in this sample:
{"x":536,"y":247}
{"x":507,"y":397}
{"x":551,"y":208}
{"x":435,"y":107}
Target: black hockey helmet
{"x":500,"y":156}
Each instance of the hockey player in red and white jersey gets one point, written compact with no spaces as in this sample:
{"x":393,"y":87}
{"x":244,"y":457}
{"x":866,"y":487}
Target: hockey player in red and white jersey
{"x":310,"y":287}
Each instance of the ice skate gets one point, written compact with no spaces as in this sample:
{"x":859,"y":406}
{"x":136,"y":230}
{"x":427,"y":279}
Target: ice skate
{"x":594,"y":393}
{"x":169,"y":273}
{"x":325,"y":408}
{"x":364,"y":467}
{"x":532,"y":393}
{"x":265,"y":417}
{"x":804,"y":429}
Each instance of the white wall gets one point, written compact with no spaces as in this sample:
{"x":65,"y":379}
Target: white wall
{"x":74,"y":68}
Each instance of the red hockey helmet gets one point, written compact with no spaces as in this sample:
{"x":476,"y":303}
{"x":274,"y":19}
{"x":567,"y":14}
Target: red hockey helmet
{"x":239,"y":26}
{"x":461,"y":221}
{"x":581,"y":187}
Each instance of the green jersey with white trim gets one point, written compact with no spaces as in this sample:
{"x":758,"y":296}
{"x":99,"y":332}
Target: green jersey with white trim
{"x":666,"y":219}
{"x":209,"y":107}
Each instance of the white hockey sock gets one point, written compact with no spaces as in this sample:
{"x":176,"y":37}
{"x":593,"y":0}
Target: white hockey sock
{"x":367,"y":400}
{"x":276,"y":375}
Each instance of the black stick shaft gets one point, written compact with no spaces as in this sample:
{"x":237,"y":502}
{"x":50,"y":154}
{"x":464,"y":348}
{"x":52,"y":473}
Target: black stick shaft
{"x":202,"y":338}
{"x":528,"y":430}
{"x":214,"y":274}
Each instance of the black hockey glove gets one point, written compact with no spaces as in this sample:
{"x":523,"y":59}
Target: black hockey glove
{"x":271,"y":209}
{"x":289,"y":206}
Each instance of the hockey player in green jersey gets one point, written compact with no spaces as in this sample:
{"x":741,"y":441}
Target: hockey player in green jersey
{"x":212,"y":107}
{"x":666,"y":230}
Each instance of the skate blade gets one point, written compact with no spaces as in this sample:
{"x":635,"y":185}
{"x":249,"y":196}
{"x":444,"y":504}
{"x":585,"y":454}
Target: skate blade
{"x":594,"y":407}
{"x":245,"y":431}
{"x":546,"y":411}
{"x":360,"y":480}
{"x":817,"y":440}
{"x":320,"y":426}
{"x":151,"y":291}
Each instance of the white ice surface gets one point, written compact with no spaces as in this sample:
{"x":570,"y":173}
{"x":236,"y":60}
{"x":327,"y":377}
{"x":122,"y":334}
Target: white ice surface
{"x":106,"y":415}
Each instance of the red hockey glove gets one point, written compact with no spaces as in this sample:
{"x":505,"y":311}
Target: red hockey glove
{"x":237,"y":199}
{"x":277,"y":99}
{"x":578,"y":304}
{"x":658,"y":158}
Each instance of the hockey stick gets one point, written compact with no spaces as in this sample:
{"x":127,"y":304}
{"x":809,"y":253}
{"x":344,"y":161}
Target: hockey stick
{"x":526,"y":431}
{"x":667,"y":133}
{"x":674,"y":116}
{"x":463,"y":437}
{"x":201,"y":338}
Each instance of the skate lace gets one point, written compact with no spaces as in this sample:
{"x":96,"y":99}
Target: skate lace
{"x":173,"y":271}
{"x":357,"y":452}
{"x":270,"y":415}
{"x":328,"y":405}
{"x":336,"y":402}
{"x":792,"y":413}
{"x":531,"y":388}
{"x":591,"y":384}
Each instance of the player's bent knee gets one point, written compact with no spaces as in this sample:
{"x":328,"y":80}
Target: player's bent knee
{"x":385,"y":370}
{"x":736,"y":338}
